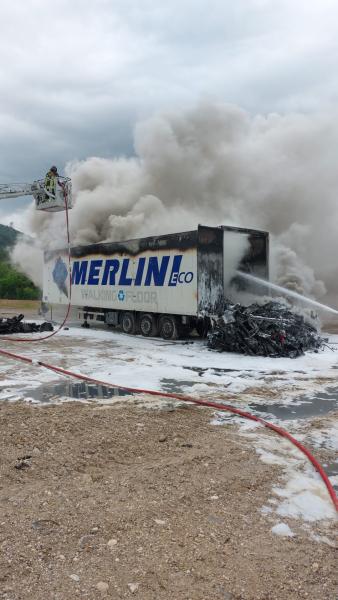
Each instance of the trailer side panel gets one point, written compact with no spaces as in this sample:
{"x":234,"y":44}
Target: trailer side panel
{"x":156,"y":274}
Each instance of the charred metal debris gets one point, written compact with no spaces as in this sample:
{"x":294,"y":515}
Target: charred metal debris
{"x":269,"y":329}
{"x":17,"y":325}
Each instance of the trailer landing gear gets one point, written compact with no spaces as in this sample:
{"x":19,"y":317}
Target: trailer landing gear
{"x":85,"y":323}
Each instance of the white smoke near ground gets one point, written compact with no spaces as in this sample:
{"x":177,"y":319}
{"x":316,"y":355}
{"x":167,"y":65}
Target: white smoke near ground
{"x":28,"y":258}
{"x":215,"y":164}
{"x":234,"y":248}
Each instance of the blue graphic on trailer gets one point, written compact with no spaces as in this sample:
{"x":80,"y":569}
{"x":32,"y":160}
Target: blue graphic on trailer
{"x":121,"y":295}
{"x":60,"y":275}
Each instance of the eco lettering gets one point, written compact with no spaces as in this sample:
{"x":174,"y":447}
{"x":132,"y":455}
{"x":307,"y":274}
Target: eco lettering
{"x":147,"y":271}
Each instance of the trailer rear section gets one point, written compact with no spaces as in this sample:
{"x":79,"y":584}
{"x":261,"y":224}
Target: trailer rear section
{"x":162,"y":285}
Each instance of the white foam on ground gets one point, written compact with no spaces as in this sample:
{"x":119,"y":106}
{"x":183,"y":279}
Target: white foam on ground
{"x":282,"y":529}
{"x":228,"y":418}
{"x":301,"y":493}
{"x":323,"y":539}
{"x":145,"y":363}
{"x":325,"y":437}
{"x":304,"y":496}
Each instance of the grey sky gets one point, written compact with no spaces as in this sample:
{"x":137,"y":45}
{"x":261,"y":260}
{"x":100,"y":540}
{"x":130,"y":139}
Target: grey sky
{"x":76,"y":76}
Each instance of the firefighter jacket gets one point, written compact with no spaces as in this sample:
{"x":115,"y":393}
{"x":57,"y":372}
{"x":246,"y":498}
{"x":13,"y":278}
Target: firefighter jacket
{"x":50,"y":182}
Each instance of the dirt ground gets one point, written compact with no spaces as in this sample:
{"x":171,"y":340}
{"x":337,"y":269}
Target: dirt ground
{"x":8,"y":308}
{"x":126,"y":502}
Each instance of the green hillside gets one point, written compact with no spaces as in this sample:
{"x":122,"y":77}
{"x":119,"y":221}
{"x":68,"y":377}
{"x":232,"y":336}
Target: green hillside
{"x":13,"y":284}
{"x":8,"y":236}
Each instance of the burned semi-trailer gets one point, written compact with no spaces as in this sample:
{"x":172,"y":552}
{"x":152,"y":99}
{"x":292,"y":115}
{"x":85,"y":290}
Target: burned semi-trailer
{"x":162,"y":285}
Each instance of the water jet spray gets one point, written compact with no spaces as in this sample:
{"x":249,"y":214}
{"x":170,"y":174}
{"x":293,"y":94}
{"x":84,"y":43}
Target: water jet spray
{"x":286,"y":292}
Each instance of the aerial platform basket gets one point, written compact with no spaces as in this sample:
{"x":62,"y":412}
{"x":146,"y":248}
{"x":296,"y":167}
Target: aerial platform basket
{"x":59,"y":199}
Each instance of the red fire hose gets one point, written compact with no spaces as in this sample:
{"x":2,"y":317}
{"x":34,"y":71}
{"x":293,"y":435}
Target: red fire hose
{"x":222,"y":407}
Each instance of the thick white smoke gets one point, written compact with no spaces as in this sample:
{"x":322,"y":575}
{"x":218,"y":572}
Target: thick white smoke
{"x":29,"y":258}
{"x":215,"y":164}
{"x":234,"y":248}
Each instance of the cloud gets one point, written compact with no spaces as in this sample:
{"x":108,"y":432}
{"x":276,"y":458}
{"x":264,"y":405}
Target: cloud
{"x":76,"y":76}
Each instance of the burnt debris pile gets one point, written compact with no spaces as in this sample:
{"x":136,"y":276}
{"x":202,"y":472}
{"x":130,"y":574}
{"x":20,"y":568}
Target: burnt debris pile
{"x":17,"y":325}
{"x":269,"y":329}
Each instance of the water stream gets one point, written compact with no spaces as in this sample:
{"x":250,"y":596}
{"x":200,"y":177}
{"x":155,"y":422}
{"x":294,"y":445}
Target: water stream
{"x":286,"y":292}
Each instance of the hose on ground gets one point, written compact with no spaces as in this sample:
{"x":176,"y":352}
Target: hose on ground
{"x":199,"y":402}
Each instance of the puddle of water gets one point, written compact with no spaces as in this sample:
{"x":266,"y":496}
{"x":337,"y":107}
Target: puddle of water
{"x":331,"y":470}
{"x":51,"y":392}
{"x":175,"y":385}
{"x":213,"y":370}
{"x":302,"y":408}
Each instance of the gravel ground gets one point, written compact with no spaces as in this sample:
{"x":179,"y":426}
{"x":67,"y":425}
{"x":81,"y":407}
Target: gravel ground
{"x":124,"y":502}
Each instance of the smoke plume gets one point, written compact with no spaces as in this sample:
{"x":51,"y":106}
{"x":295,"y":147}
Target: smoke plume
{"x":215,"y":164}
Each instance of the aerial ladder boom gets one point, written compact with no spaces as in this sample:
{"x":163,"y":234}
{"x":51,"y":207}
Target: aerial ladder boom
{"x":59,"y":199}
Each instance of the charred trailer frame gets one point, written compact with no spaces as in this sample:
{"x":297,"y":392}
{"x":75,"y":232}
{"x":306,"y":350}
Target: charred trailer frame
{"x":161,"y":285}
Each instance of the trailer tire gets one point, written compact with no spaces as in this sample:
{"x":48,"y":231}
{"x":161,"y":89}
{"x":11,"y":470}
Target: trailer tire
{"x":169,"y":328}
{"x":148,"y":325}
{"x":128,"y":323}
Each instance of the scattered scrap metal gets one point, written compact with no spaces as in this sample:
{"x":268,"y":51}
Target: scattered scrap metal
{"x":17,"y":325}
{"x":269,"y":329}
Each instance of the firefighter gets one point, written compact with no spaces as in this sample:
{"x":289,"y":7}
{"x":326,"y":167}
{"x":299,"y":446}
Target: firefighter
{"x":50,"y":180}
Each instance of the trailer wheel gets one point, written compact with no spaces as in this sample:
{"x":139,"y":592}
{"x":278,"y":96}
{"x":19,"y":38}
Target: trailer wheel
{"x":148,"y":325}
{"x":128,"y":322}
{"x":168,"y":328}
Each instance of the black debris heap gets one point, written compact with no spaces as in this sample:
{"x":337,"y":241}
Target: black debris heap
{"x":264,"y":330}
{"x":17,"y":325}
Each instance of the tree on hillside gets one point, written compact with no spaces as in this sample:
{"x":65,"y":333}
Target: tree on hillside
{"x":15,"y":285}
{"x":8,"y":236}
